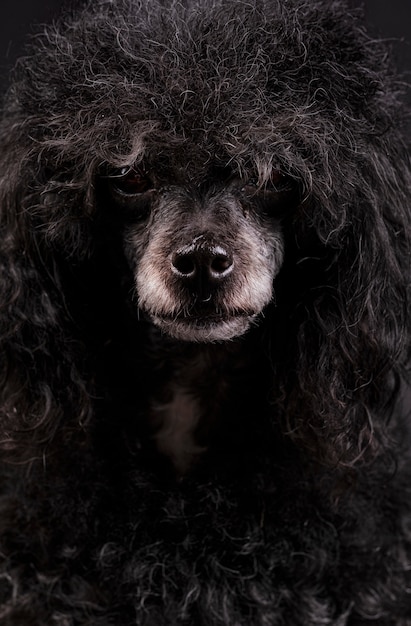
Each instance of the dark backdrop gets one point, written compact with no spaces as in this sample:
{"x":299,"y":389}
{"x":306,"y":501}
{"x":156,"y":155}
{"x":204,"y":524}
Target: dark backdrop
{"x":391,"y":19}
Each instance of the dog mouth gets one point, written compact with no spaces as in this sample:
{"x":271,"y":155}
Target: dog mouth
{"x":205,"y":328}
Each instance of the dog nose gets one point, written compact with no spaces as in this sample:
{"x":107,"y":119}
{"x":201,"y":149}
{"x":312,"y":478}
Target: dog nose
{"x":202,"y":268}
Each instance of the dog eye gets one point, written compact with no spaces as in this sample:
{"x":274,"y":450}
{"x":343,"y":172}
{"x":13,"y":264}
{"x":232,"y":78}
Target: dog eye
{"x":274,"y":199}
{"x":222,"y":173}
{"x":277,"y":180}
{"x":131,"y":181}
{"x":276,"y":183}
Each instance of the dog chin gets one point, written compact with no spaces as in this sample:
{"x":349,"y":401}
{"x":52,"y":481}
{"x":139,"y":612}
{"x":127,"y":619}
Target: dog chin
{"x":204,"y":330}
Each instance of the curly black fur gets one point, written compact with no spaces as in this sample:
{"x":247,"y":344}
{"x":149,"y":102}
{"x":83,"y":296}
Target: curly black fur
{"x":288,"y":502}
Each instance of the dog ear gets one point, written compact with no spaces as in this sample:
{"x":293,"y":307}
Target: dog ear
{"x":351,"y":320}
{"x":36,"y":349}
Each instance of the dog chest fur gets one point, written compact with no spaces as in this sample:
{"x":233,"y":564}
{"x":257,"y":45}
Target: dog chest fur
{"x":192,"y":402}
{"x":177,"y":421}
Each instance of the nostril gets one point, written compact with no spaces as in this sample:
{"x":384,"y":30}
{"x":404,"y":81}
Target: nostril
{"x":221,"y":264}
{"x":203,"y":264}
{"x":184,"y":264}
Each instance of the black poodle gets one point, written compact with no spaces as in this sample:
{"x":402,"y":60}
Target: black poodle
{"x":205,"y":275}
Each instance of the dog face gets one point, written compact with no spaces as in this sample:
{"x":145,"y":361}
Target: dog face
{"x":203,"y":253}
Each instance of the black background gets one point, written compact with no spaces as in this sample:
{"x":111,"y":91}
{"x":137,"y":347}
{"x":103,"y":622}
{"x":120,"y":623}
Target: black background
{"x":387,"y":18}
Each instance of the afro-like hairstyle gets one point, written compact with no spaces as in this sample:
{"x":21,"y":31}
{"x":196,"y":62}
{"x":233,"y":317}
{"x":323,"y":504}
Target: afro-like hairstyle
{"x":307,"y":519}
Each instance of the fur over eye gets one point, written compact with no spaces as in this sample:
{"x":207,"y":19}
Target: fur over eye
{"x":131,"y":181}
{"x":278,"y":181}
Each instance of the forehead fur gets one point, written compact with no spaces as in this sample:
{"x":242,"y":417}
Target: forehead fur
{"x":257,"y":81}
